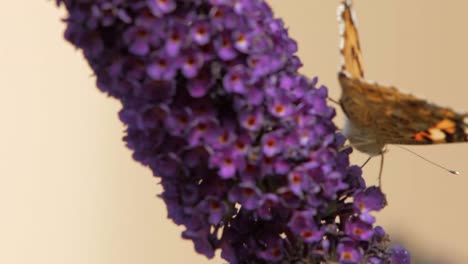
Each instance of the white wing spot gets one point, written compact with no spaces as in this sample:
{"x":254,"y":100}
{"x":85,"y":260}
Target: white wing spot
{"x":437,"y":135}
{"x":340,"y":11}
{"x":341,"y":28}
{"x":353,"y":18}
{"x":465,"y":120}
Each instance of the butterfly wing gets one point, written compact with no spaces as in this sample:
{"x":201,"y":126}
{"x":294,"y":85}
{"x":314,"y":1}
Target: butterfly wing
{"x":349,"y":42}
{"x":361,"y":136}
{"x":382,"y":115}
{"x":398,"y":118}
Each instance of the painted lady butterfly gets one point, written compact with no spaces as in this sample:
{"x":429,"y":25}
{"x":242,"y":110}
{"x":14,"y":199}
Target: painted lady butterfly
{"x":378,"y":115}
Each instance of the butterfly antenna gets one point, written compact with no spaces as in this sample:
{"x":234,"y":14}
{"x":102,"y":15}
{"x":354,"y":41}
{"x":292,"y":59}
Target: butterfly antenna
{"x":431,"y":162}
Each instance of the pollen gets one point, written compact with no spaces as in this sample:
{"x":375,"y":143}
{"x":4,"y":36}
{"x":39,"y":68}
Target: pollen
{"x":279,"y":109}
{"x":251,"y":121}
{"x":362,"y":206}
{"x":224,"y":137}
{"x":296,"y":178}
{"x":175,"y":37}
{"x":228,"y":161}
{"x":307,"y":234}
{"x":358,"y":231}
{"x":240,"y":145}
{"x":202,"y":127}
{"x":162,"y":63}
{"x":215,"y":205}
{"x":271,"y":143}
{"x":276,"y":252}
{"x":201,"y":31}
{"x":248,"y":192}
{"x":347,"y":256}
{"x":190,"y":61}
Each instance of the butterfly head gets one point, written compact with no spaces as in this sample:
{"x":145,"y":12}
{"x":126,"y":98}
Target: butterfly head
{"x":363,"y":139}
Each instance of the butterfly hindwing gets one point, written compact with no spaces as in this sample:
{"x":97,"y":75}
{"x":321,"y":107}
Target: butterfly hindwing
{"x":398,"y":118}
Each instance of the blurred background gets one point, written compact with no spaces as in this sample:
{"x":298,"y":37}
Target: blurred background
{"x":70,"y":192}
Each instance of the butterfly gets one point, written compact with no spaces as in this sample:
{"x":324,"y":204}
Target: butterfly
{"x":378,"y":115}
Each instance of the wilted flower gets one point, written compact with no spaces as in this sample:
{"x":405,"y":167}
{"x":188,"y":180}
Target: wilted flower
{"x":244,"y":146}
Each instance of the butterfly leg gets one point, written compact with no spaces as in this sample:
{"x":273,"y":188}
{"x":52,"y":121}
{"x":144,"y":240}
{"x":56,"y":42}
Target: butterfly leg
{"x":365,"y":162}
{"x":334,"y":101}
{"x":345,"y":147}
{"x":381,"y":169}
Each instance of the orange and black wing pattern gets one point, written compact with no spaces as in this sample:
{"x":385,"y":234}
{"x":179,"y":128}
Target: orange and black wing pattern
{"x":399,"y":118}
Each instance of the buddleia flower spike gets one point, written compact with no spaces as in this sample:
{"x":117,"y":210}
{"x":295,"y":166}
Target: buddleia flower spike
{"x":243,"y":145}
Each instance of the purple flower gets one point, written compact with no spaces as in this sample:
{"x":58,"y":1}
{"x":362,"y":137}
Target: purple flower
{"x":306,"y":137}
{"x":107,"y":13}
{"x":235,"y":80}
{"x":241,"y":41}
{"x":199,"y":86}
{"x":138,"y":39}
{"x":359,"y":230}
{"x":400,"y":255}
{"x":200,"y":130}
{"x":228,"y":163}
{"x":215,"y":208}
{"x":160,"y":7}
{"x":268,"y":204}
{"x":201,"y":32}
{"x":371,"y":199}
{"x":175,"y":39}
{"x":191,"y":64}
{"x":251,"y":120}
{"x":223,"y":138}
{"x":298,"y":181}
{"x":289,"y":199}
{"x":201,"y":241}
{"x":224,"y":47}
{"x":247,"y":194}
{"x":272,"y":143}
{"x":348,"y":253}
{"x":303,"y":224}
{"x":162,"y":68}
{"x":177,"y":122}
{"x":242,"y":144}
{"x":273,"y":251}
{"x":281,"y":107}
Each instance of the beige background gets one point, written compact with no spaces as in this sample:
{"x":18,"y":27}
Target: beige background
{"x":70,"y":192}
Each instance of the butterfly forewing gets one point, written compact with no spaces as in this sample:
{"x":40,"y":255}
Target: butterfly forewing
{"x":350,"y":48}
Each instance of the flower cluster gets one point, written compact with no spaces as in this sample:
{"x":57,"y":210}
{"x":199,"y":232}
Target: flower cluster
{"x":243,"y":145}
